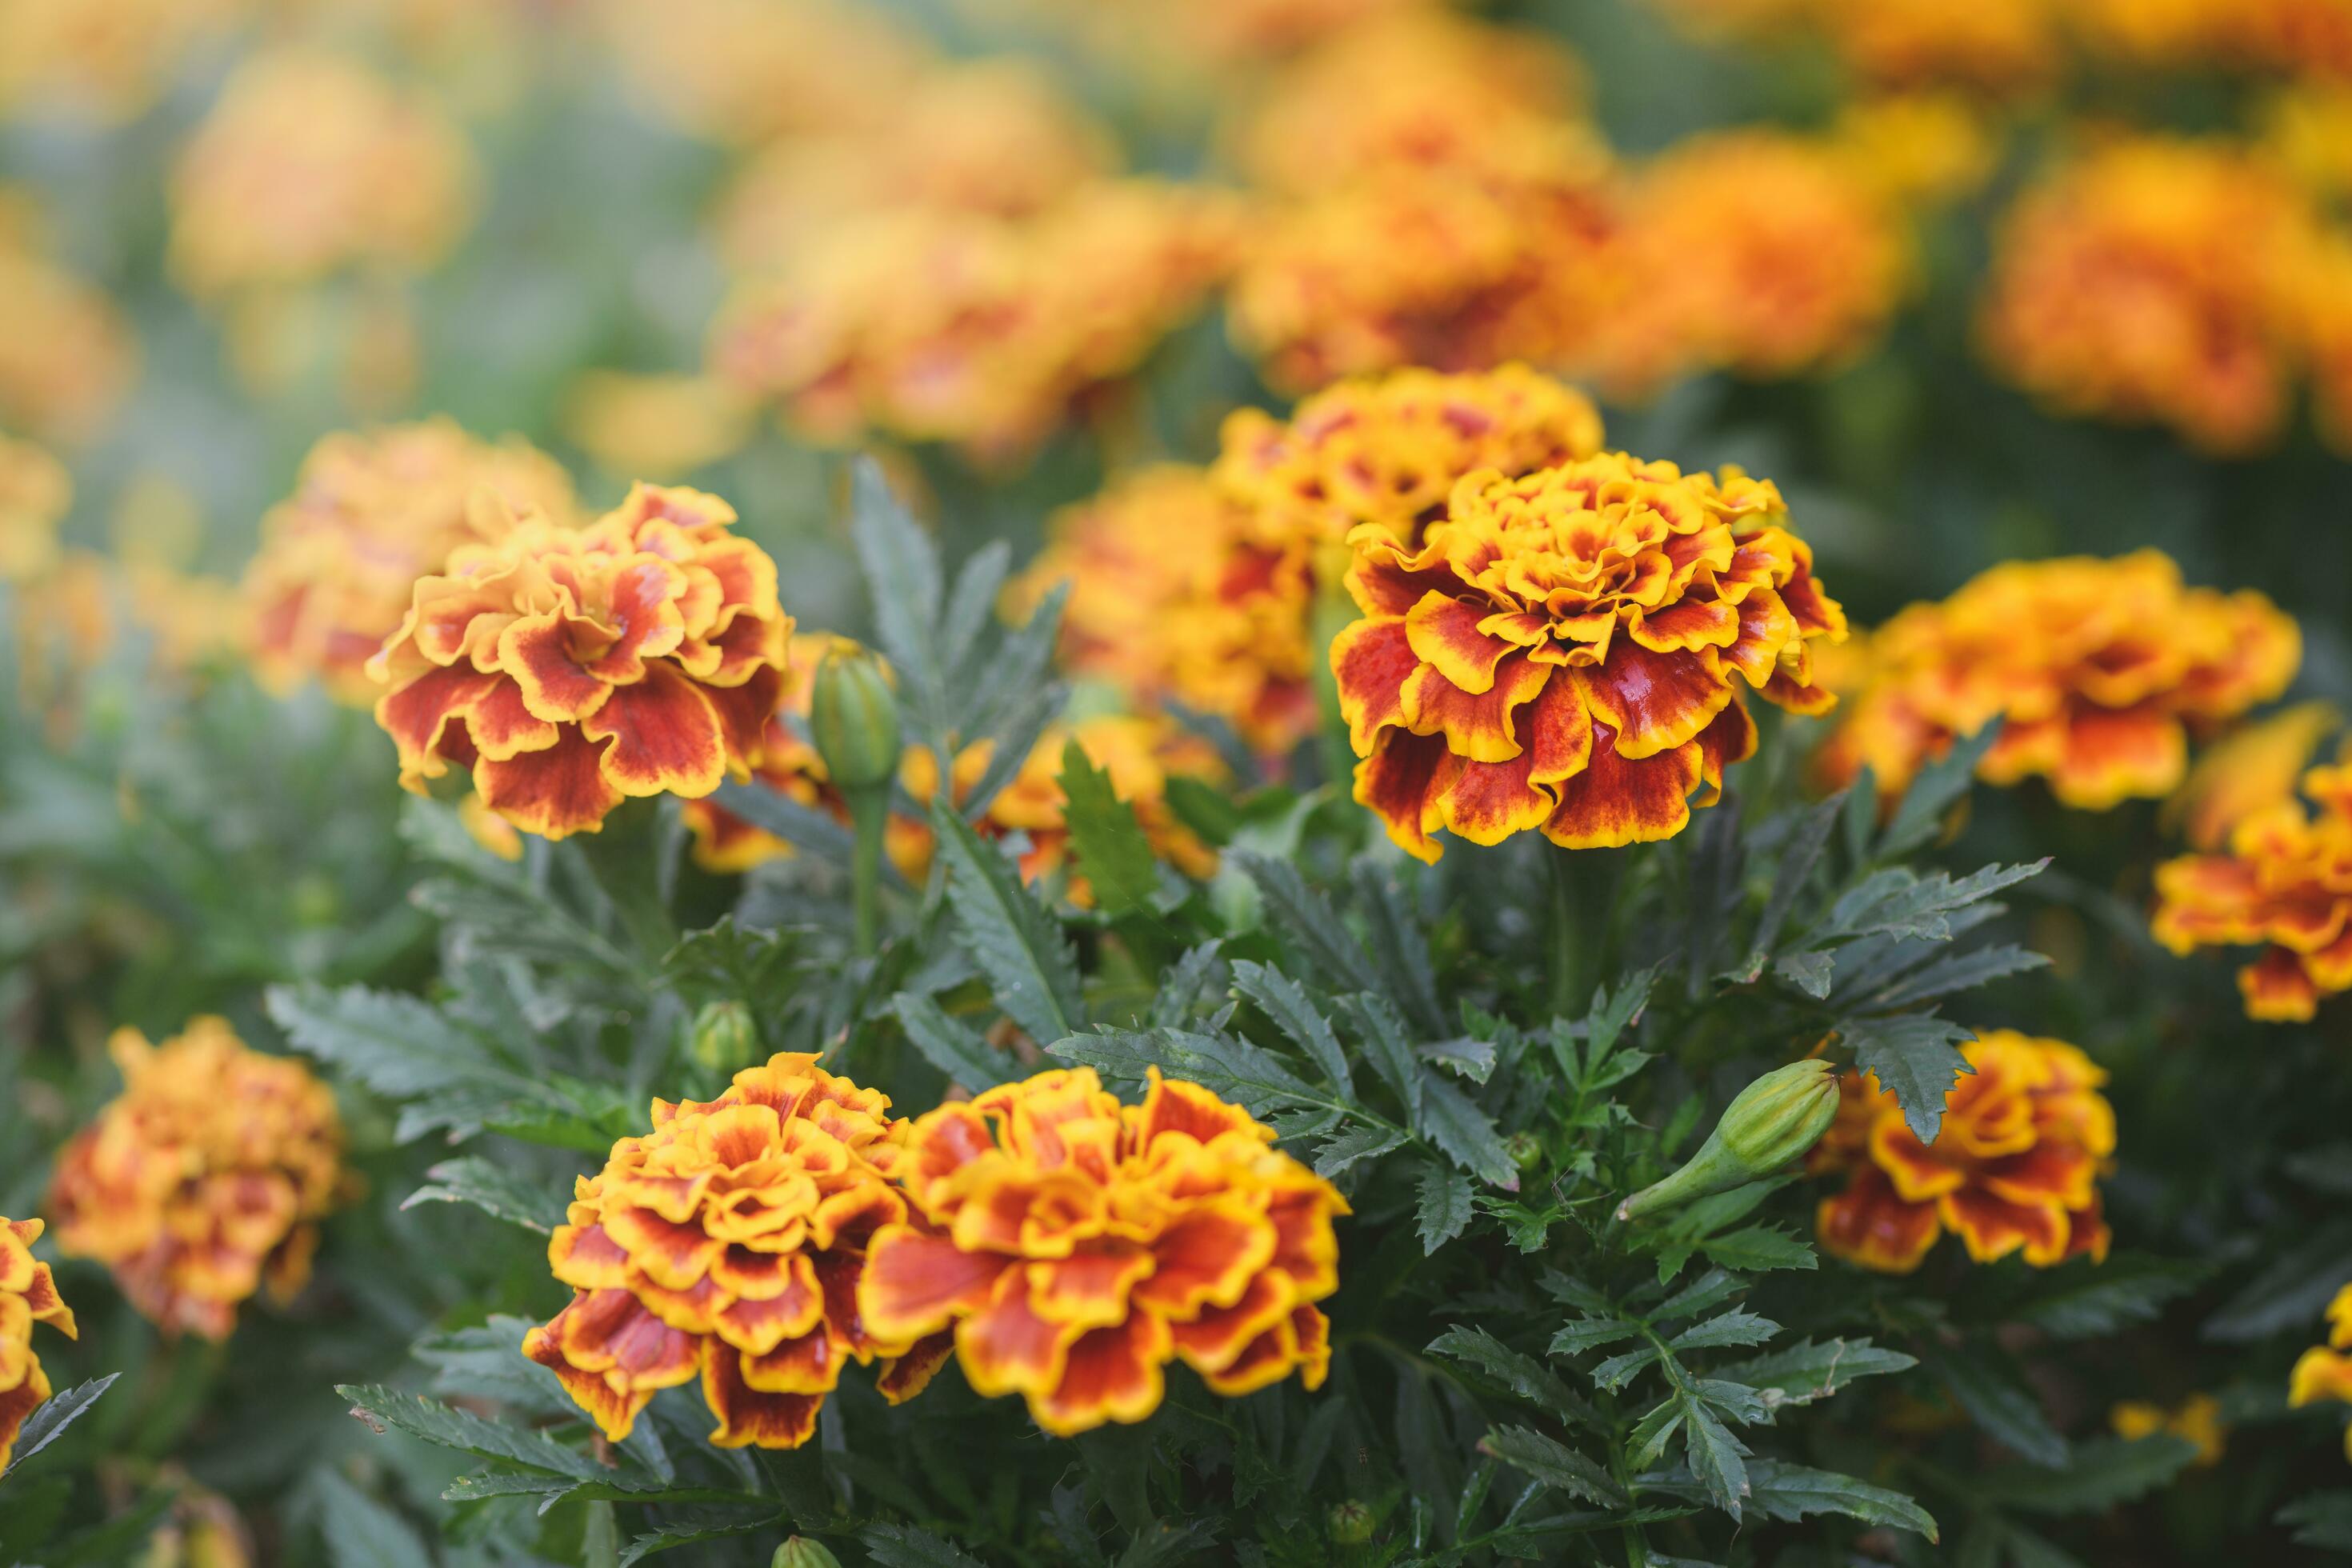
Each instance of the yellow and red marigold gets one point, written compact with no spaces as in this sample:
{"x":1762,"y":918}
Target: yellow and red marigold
{"x":727,"y":1244}
{"x":27,"y":1296}
{"x":2015,"y":1169}
{"x":371,"y":513}
{"x":1564,"y":650}
{"x":571,"y":668}
{"x":2285,"y":885}
{"x":1140,"y":753}
{"x":2324,"y":1371}
{"x":2099,"y":669}
{"x":1075,"y":1246}
{"x":205,"y":1180}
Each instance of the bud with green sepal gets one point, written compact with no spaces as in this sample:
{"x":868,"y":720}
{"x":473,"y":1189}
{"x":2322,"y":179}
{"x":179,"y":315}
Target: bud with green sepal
{"x":854,"y":719}
{"x":1766,"y":1127}
{"x":800,"y":1552}
{"x":725,"y":1038}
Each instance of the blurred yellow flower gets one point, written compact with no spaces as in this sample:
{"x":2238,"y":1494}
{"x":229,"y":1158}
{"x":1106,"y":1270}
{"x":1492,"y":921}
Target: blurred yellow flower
{"x":742,"y":71}
{"x":67,"y":356}
{"x":34,"y":493}
{"x":1916,"y":147}
{"x":102,"y":61}
{"x":2196,"y":1418}
{"x":2248,"y":771}
{"x":660,"y":427}
{"x":2324,"y":1372}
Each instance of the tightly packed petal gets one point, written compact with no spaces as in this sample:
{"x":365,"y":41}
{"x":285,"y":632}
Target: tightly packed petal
{"x":1074,"y":1246}
{"x":205,"y":1180}
{"x":2283,"y":884}
{"x":27,"y":1296}
{"x":2025,"y":1137}
{"x":725,"y":1247}
{"x":2100,"y":670}
{"x":370,"y":514}
{"x":1565,"y":651}
{"x":571,"y":668}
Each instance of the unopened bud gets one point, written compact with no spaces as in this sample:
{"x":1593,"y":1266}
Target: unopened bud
{"x":853,"y":718}
{"x":725,"y":1038}
{"x":1768,"y":1126}
{"x":1351,"y":1523}
{"x":800,"y":1552}
{"x":1525,"y":1150}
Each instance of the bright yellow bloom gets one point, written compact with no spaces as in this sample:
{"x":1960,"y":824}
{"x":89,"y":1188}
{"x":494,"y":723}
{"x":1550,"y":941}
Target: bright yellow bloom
{"x":663,"y":427}
{"x":307,"y":165}
{"x":2307,"y":130}
{"x":742,"y":71}
{"x":34,"y":493}
{"x":2312,"y":37}
{"x":1916,"y":147}
{"x":1996,"y":46}
{"x":2025,"y":1137}
{"x":571,"y":668}
{"x":371,"y":513}
{"x":728,"y":1244}
{"x":27,"y":1296}
{"x":2100,"y":669}
{"x":2248,"y":771}
{"x":2285,"y":883}
{"x":2324,"y":1372}
{"x":2196,"y":1418}
{"x":1074,"y":1247}
{"x":1563,"y":650}
{"x":205,"y":1180}
{"x":2155,"y":281}
{"x":67,"y":356}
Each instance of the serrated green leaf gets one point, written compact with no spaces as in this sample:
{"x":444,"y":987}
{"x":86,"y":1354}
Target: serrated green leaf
{"x":1522,"y":1375}
{"x":1398,"y":944}
{"x":1736,"y":1327}
{"x":1452,"y":1121}
{"x":1758,"y":1248}
{"x":1805,"y":1372}
{"x":1382,"y":1032}
{"x":1916,"y":1058}
{"x":904,"y":1546}
{"x":1788,"y":1492}
{"x":1463,"y":1057}
{"x":1105,"y":840}
{"x":2320,"y":1519}
{"x":960,"y":1052}
{"x":1306,"y":919}
{"x":1556,"y":1465}
{"x":358,"y":1530}
{"x":493,"y":1189}
{"x":1620,"y":1370}
{"x":1586,"y":1334}
{"x":1710,"y":1289}
{"x":1997,"y":1402}
{"x":2291,"y":1290}
{"x":1363,"y":1141}
{"x":901,"y":567}
{"x":2099,"y":1473}
{"x":668,"y":1537}
{"x":453,"y":1428}
{"x":1798,"y":860}
{"x":1717,"y":1457}
{"x":1934,"y":789}
{"x":52,"y":1416}
{"x":1189,"y":985}
{"x":1015,"y":940}
{"x":2084,"y":1299}
{"x":398,"y":1046}
{"x":1444,"y":1208}
{"x":1810,"y":972}
{"x":1233,"y":1070}
{"x":1957,"y":971}
{"x":1284,"y":1001}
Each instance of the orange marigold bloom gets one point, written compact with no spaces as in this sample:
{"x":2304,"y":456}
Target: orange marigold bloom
{"x":2100,"y":670}
{"x":371,"y":513}
{"x":1075,"y":1246}
{"x":2196,"y":1418}
{"x":27,"y":1296}
{"x":102,"y":61}
{"x":34,"y":493}
{"x":204,"y":1179}
{"x":2025,"y":1136}
{"x":1562,"y":650}
{"x":2155,"y":281}
{"x":2285,"y":884}
{"x":2248,"y":771}
{"x":728,"y":1244}
{"x":569,"y":668}
{"x":660,"y":426}
{"x":67,"y":356}
{"x":1999,"y":46}
{"x":309,"y":164}
{"x":742,"y":71}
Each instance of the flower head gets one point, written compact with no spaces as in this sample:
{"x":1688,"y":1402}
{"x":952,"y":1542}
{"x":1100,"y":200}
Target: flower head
{"x":67,"y":354}
{"x":1140,"y":752}
{"x":35,"y":491}
{"x":2196,"y":1419}
{"x":741,"y":71}
{"x":2026,"y":1134}
{"x":2248,"y":771}
{"x":1075,"y":1246}
{"x":205,"y":1180}
{"x":726,"y":1245}
{"x":371,"y":513}
{"x":2324,"y":1371}
{"x":659,"y":426}
{"x":27,"y":1296}
{"x":2099,"y":670}
{"x":2283,"y":884}
{"x":1563,"y":650}
{"x":569,"y":668}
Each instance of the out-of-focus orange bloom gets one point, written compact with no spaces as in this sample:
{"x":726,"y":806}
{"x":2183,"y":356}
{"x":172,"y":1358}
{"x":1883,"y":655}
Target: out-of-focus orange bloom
{"x":203,"y":1529}
{"x":67,"y":357}
{"x":2324,"y":1371}
{"x":2155,"y":281}
{"x":2025,"y":1137}
{"x":2307,"y":37}
{"x":27,"y":1296}
{"x":371,"y":513}
{"x":1563,"y":650}
{"x":191,"y":616}
{"x":34,"y":493}
{"x":2307,"y":130}
{"x":1916,"y":148}
{"x":102,"y":61}
{"x":2248,"y":771}
{"x":2100,"y":670}
{"x":2285,"y":884}
{"x":1140,"y":753}
{"x":743,"y":71}
{"x":664,"y":426}
{"x":936,"y":325}
{"x":1997,"y":45}
{"x":788,"y":763}
{"x":571,"y":668}
{"x":2327,"y":319}
{"x":2196,"y":1418}
{"x":1075,"y":1246}
{"x":728,"y":1244}
{"x":310,"y":163}
{"x":205,"y":1180}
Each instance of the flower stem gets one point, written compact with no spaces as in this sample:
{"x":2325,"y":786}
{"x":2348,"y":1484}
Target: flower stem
{"x":869,"y":813}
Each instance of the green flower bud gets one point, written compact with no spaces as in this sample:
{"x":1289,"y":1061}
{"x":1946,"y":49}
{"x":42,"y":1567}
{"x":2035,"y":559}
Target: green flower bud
{"x":800,"y":1552}
{"x":1770,"y":1125}
{"x":725,"y":1038}
{"x":1351,"y":1523}
{"x":1525,"y":1150}
{"x":854,"y":719}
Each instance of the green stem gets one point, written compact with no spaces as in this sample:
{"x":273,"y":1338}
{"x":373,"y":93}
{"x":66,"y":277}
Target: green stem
{"x":1570,"y":936}
{"x":869,"y":814}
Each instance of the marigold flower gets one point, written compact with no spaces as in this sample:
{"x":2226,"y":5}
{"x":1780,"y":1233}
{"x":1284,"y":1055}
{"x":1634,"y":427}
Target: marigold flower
{"x":1916,"y":147}
{"x":205,"y":1180}
{"x":2327,"y":334}
{"x":67,"y":356}
{"x":309,"y":164}
{"x":1140,"y":753}
{"x":34,"y":493}
{"x":102,"y":60}
{"x":2099,"y":669}
{"x":742,"y":71}
{"x":1998,"y":46}
{"x":661,"y":426}
{"x":2155,"y":281}
{"x":728,"y":1244}
{"x":27,"y":1296}
{"x":2248,"y":771}
{"x":2196,"y":1418}
{"x":1075,"y":1246}
{"x":2283,"y":884}
{"x":371,"y":513}
{"x":2324,"y":1372}
{"x":2025,"y":1136}
{"x":569,"y":668}
{"x":1563,"y":650}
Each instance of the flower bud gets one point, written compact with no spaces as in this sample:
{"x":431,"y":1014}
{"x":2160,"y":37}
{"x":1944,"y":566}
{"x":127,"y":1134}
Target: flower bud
{"x":800,"y":1552}
{"x":853,"y":718}
{"x":725,"y":1038}
{"x":1351,"y":1523}
{"x":1769,"y":1125}
{"x":1526,"y":1150}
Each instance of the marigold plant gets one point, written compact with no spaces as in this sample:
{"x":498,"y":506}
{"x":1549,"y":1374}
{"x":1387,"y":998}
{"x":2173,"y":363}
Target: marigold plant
{"x":2026,"y":1135}
{"x":2100,"y":670}
{"x":1075,"y":1246}
{"x":2324,"y":1371}
{"x":571,"y":668}
{"x":728,"y":1244}
{"x":1563,"y":651}
{"x":28,"y":1295}
{"x":205,"y":1180}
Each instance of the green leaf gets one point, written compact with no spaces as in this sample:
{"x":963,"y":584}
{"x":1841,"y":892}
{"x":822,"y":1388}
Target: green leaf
{"x":1445,"y":1206}
{"x":2083,"y":1299}
{"x":1897,"y":903}
{"x":1620,"y":1370}
{"x":52,"y":1416}
{"x":1233,"y":1070}
{"x":961,"y":1053}
{"x":1916,"y":1058}
{"x":904,"y":1546}
{"x":452,"y":1428}
{"x":2327,"y":1169}
{"x":1806,"y":842}
{"x":1736,"y":1327}
{"x":1810,"y":972}
{"x":1556,"y":1465}
{"x":1452,"y":1121}
{"x":1522,"y":1375}
{"x":358,"y":1532}
{"x":2291,"y":1290}
{"x":1805,"y":1372}
{"x":1191,"y":985}
{"x":1015,"y":940}
{"x":1933,"y":791}
{"x":728,"y":961}
{"x":1105,"y":837}
{"x":1284,"y":1001}
{"x":493,"y":1189}
{"x":1306,"y":919}
{"x":1789,"y":1493}
{"x":1398,"y":944}
{"x":1717,"y":1457}
{"x":1391,"y":1054}
{"x":1710,"y":1289}
{"x":1955,"y":972}
{"x":1758,"y":1248}
{"x":398,"y":1046}
{"x":1464,"y":1057}
{"x":1614,"y":1013}
{"x":971,"y":606}
{"x":2320,"y":1519}
{"x":1162,"y":1543}
{"x":644,"y":1546}
{"x":1585,"y":1334}
{"x":2002,"y":1406}
{"x":1360,"y":1141}
{"x":901,"y":567}
{"x":2099,"y":1473}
